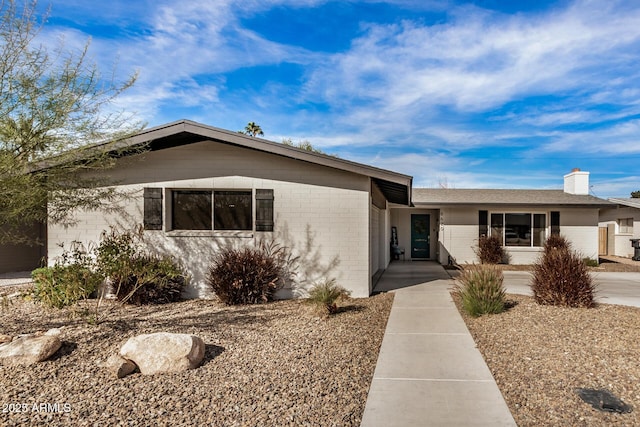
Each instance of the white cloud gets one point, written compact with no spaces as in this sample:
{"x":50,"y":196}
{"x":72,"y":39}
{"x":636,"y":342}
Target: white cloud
{"x":620,"y":139}
{"x":481,"y":60}
{"x":409,"y":85}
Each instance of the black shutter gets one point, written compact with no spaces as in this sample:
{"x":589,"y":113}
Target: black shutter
{"x":153,"y":208}
{"x":555,"y":223}
{"x":483,"y":221}
{"x":264,"y":210}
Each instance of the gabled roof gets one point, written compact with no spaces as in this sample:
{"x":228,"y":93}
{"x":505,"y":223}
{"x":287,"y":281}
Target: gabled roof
{"x":632,"y":203}
{"x":395,"y":186}
{"x":454,"y":196}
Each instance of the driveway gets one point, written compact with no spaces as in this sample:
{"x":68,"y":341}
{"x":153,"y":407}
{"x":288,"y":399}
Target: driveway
{"x":613,"y":288}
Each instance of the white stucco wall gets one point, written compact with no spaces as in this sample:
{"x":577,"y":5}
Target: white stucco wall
{"x":320,"y":212}
{"x":458,"y":234}
{"x":580,"y":227}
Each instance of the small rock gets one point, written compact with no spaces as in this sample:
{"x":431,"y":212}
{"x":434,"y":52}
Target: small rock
{"x":164,"y":352}
{"x":119,"y":366}
{"x":29,"y":349}
{"x":5,"y":338}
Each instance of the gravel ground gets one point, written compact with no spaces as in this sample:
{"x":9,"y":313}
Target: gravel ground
{"x":539,"y":355}
{"x":607,"y":266}
{"x":276,"y":364}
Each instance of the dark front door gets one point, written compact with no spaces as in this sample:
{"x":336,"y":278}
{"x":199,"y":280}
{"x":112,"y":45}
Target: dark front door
{"x":420,"y":236}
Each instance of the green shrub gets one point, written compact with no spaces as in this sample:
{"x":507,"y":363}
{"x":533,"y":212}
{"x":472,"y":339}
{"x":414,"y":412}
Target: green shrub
{"x":136,"y":276}
{"x":560,"y":277}
{"x":150,"y":279}
{"x":250,"y":275}
{"x":64,"y":285}
{"x":114,"y":254}
{"x":490,"y":250}
{"x":481,"y":290}
{"x":590,"y":262}
{"x":326,"y":294}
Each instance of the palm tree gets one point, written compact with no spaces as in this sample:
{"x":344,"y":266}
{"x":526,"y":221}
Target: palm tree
{"x":253,"y":129}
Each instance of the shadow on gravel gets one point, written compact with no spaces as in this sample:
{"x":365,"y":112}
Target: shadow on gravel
{"x":509,"y":304}
{"x":350,"y":308}
{"x":66,"y":349}
{"x":211,"y":351}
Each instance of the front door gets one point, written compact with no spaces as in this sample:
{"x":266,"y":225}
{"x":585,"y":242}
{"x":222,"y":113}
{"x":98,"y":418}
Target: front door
{"x":420,"y":239}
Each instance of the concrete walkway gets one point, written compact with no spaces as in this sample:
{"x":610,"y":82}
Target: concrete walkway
{"x":429,"y":371}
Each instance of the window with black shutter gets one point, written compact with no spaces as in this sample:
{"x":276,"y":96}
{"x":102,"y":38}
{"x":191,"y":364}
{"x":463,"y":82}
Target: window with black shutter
{"x":264,"y":210}
{"x":555,"y":223}
{"x":483,"y":220}
{"x":152,"y":209}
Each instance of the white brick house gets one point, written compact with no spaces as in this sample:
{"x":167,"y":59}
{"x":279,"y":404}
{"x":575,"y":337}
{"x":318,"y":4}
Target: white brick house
{"x":198,"y":187}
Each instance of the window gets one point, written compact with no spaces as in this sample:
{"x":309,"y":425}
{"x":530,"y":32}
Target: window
{"x":211,"y":210}
{"x":519,"y":229}
{"x":232,"y":210}
{"x":191,"y":210}
{"x":625,"y":226}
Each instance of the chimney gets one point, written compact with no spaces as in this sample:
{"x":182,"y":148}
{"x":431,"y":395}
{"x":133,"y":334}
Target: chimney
{"x":576,"y":182}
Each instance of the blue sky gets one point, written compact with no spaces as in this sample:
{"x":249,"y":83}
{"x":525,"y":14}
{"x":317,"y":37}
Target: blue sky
{"x":484,"y":94}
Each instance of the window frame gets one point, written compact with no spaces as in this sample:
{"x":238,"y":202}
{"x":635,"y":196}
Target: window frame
{"x":501,"y":230}
{"x":627,"y":228}
{"x":171,"y":210}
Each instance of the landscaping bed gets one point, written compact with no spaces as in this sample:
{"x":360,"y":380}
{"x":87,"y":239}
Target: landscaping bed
{"x":539,"y":355}
{"x":273,"y":364}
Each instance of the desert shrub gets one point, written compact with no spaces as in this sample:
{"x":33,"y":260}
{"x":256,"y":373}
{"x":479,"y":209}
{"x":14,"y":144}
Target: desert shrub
{"x":114,"y":254}
{"x":136,"y":276}
{"x":150,"y":279}
{"x":325,"y":296}
{"x":250,"y":275}
{"x":590,"y":262}
{"x":560,"y":277}
{"x":481,"y":290}
{"x":72,"y":278}
{"x":556,"y":241}
{"x":60,"y":286}
{"x":489,"y":250}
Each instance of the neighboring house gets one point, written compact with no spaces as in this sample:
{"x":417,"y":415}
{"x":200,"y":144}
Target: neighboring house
{"x":618,"y":225}
{"x":522,"y":219}
{"x":198,"y":188}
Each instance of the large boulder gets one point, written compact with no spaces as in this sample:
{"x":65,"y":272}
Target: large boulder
{"x":29,"y":349}
{"x":164,"y":352}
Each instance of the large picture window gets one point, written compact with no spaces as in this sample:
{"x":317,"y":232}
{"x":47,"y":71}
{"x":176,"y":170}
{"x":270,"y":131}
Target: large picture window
{"x":211,"y":210}
{"x":519,"y":229}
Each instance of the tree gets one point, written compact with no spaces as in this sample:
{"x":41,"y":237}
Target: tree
{"x":253,"y":129}
{"x":635,"y":194}
{"x":54,"y":104}
{"x":304,"y":145}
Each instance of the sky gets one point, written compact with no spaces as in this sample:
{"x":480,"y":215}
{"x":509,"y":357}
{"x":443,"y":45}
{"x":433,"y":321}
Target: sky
{"x":462,"y":94}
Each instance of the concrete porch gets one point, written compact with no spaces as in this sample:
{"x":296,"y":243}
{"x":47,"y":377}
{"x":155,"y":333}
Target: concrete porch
{"x":401,"y":274}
